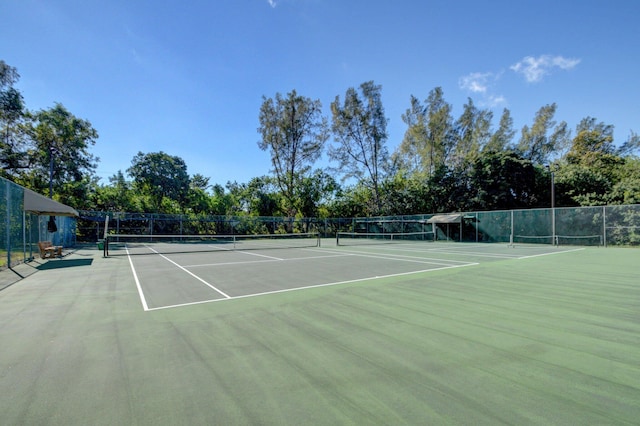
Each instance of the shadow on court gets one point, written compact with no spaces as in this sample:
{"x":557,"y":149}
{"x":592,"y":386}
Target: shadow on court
{"x":64,"y":263}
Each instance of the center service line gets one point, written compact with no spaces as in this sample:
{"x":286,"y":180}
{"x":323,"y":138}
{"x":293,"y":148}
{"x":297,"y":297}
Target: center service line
{"x":193,"y":275}
{"x":135,"y":277}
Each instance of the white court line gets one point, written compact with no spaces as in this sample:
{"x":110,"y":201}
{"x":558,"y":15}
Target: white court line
{"x":449,"y":251}
{"x":472,"y":253}
{"x":401,"y":257}
{"x":192,"y":274}
{"x":310,"y":287}
{"x":135,"y":277}
{"x":548,"y":254}
{"x":259,"y":255}
{"x":242,"y":262}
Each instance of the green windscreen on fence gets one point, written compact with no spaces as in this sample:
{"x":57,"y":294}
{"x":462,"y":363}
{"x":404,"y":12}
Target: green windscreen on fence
{"x":592,"y":226}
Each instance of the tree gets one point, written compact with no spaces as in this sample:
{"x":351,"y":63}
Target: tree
{"x":501,"y":139}
{"x":61,"y":153}
{"x":627,"y":189}
{"x":222,"y":203}
{"x":162,"y":177}
{"x":262,"y":198}
{"x":593,"y":148}
{"x":591,"y":166}
{"x":577,"y":185}
{"x":294,"y":131}
{"x":8,"y":74}
{"x":350,"y":202}
{"x":630,"y":146}
{"x":316,"y":190}
{"x":472,"y":133}
{"x":536,"y":144}
{"x":11,"y":114}
{"x":411,"y":155}
{"x":504,"y":180}
{"x":430,"y":135}
{"x":199,"y":181}
{"x":360,"y":128}
{"x":406,"y":193}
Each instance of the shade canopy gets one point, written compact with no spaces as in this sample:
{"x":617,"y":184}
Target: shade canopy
{"x":41,"y":205}
{"x":446,"y":218}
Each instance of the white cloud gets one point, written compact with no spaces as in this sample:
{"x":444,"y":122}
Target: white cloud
{"x":272,"y":3}
{"x":475,"y":82}
{"x":494,"y":101}
{"x":482,"y":84}
{"x":534,"y":69}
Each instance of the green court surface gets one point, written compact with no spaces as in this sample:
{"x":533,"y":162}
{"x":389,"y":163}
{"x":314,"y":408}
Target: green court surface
{"x":421,"y":333}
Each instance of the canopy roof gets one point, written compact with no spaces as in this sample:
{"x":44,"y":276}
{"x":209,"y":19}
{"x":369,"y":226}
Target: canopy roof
{"x":446,"y":218}
{"x":41,"y":205}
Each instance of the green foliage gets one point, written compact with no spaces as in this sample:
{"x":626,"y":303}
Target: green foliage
{"x":579,"y":185}
{"x":430,"y":135}
{"x":359,"y":127}
{"x":442,"y":164}
{"x":316,"y":190}
{"x":162,"y":177}
{"x":545,"y":138}
{"x":294,"y":131}
{"x":504,"y":180}
{"x":406,"y":194}
{"x":501,"y":140}
{"x":627,"y":189}
{"x":472,"y":133}
{"x":61,"y":153}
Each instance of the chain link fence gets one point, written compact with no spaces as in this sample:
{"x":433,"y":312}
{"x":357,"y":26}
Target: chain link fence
{"x":591,"y":226}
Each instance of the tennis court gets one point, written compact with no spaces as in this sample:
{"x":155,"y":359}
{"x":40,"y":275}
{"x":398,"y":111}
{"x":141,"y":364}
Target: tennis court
{"x":175,"y":271}
{"x":410,"y":332}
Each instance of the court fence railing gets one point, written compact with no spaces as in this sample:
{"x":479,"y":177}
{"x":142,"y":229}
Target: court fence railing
{"x":613,"y":225}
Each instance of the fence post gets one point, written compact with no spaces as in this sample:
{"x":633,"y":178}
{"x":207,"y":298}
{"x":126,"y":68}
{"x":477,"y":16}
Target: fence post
{"x":604,"y":226}
{"x":7,"y":224}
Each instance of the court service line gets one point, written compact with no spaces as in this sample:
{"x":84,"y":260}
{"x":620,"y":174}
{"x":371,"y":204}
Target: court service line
{"x":287,"y":290}
{"x":243,"y":262}
{"x":193,"y":275}
{"x":402,"y":257}
{"x":138,"y":286}
{"x":260,"y":255}
{"x":549,"y":254}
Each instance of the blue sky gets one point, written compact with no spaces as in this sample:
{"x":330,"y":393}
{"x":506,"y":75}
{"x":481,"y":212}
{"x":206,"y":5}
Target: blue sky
{"x":187,"y":77}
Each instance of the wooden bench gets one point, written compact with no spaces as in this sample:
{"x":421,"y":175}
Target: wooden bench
{"x":49,"y":250}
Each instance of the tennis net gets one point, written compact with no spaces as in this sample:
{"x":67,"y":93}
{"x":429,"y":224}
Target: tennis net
{"x":579,"y":240}
{"x":559,"y":240}
{"x":362,"y":238}
{"x":532,"y":239}
{"x":129,"y":244}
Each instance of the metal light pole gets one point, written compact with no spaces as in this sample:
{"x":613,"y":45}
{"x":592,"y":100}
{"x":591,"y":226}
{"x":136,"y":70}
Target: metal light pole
{"x":553,"y":206}
{"x":51,"y":172}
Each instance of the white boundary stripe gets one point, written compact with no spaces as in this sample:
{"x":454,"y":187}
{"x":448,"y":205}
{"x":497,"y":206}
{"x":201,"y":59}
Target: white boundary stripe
{"x":259,"y":255}
{"x":474,"y":253}
{"x":275,"y":259}
{"x":403,"y":258}
{"x":549,"y":254}
{"x":194,"y":275}
{"x":135,"y":277}
{"x":310,"y":287}
{"x":470,"y":253}
{"x":451,"y":251}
